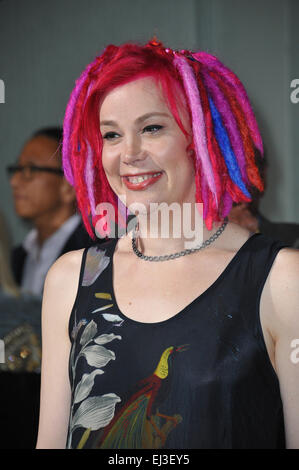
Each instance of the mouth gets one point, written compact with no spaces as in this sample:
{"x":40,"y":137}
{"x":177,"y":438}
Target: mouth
{"x":18,"y":197}
{"x":141,"y":180}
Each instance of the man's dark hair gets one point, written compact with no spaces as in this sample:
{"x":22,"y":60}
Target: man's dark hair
{"x":51,"y":132}
{"x":55,"y":133}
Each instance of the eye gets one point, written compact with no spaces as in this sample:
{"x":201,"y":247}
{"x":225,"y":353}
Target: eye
{"x":110,"y":135}
{"x":33,"y":168}
{"x":152,"y":129}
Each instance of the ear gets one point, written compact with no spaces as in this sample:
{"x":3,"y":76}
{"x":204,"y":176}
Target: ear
{"x":190,"y":143}
{"x":67,"y":192}
{"x":190,"y":151}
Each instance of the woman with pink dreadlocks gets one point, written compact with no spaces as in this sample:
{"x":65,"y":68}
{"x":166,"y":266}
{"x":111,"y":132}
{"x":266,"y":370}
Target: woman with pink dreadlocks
{"x":180,"y":331}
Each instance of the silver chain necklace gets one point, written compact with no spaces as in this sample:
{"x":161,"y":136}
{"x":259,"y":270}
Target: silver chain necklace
{"x":188,"y":251}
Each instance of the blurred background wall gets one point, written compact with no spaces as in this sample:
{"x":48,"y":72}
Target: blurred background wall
{"x":44,"y":45}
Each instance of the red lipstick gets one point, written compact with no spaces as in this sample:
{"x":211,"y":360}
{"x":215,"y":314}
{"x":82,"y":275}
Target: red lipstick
{"x":142,"y":184}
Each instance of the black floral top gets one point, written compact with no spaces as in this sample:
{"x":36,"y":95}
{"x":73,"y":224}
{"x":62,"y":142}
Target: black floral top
{"x":201,"y":379}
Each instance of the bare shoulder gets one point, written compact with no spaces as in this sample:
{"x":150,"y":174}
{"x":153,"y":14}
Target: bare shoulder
{"x":66,"y":263}
{"x":61,"y":287}
{"x":282,"y":296}
{"x":66,"y":267}
{"x":284,"y":285}
{"x":287,"y":263}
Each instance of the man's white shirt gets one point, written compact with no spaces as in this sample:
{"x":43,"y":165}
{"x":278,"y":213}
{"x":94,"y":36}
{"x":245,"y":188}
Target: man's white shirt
{"x":40,"y":259}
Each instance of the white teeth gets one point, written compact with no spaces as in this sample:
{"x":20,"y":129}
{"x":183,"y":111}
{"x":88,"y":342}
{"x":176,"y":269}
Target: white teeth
{"x":139,"y":179}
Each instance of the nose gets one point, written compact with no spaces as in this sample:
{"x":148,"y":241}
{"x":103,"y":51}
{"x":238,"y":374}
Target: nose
{"x":133,"y":150}
{"x":15,"y":180}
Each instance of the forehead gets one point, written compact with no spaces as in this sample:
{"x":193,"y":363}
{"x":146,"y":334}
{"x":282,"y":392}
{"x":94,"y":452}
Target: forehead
{"x":143,"y":92}
{"x":141,"y":96}
{"x":40,"y":150}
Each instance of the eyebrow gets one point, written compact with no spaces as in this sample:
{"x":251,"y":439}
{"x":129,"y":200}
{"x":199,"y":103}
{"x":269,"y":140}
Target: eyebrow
{"x":142,"y":118}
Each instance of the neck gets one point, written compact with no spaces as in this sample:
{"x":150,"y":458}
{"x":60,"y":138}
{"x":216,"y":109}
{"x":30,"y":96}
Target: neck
{"x":172,"y":231}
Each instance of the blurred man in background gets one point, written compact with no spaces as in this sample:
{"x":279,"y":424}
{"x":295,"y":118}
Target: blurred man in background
{"x":43,"y":197}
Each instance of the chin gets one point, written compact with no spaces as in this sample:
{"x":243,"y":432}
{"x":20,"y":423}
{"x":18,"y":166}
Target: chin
{"x":27,"y":218}
{"x":24,"y":214}
{"x":145,"y":205}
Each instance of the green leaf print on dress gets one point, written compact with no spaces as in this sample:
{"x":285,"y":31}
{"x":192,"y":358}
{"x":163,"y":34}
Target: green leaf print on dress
{"x":93,"y":412}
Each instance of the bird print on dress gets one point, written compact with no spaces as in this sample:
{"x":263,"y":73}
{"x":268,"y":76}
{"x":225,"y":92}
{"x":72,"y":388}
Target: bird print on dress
{"x":139,"y":424}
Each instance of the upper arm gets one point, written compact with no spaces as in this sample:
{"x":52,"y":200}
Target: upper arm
{"x":58,"y":299}
{"x":284,"y":287}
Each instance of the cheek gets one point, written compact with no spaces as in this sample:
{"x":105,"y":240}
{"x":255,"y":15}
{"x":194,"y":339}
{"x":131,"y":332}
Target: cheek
{"x":38,"y":199}
{"x":44,"y":192}
{"x":174,"y":143}
{"x":175,"y":156}
{"x":111,"y":168}
{"x":109,"y":162}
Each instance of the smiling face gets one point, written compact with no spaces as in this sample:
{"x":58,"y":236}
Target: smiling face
{"x":144,"y":154}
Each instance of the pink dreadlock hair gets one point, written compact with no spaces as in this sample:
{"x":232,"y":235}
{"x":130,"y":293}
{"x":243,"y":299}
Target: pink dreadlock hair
{"x":226,"y":140}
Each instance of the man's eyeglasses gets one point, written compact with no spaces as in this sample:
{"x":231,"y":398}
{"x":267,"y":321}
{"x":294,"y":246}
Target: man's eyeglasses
{"x":29,"y":171}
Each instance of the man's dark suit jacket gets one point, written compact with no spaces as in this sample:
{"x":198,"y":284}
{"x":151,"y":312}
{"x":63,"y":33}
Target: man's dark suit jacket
{"x":77,"y":240}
